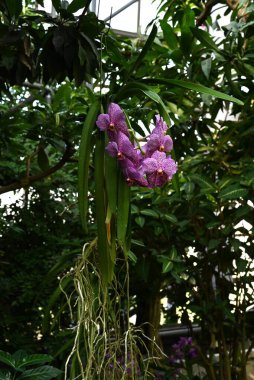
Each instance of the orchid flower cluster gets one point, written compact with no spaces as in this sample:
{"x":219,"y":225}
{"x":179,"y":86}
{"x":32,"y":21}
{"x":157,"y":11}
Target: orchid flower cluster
{"x":146,"y":166}
{"x":183,"y":350}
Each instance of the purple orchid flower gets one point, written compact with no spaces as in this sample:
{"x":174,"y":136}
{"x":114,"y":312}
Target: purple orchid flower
{"x":113,"y":122}
{"x":160,"y":126}
{"x":182,"y":350}
{"x":134,"y":175}
{"x":158,"y":142}
{"x":122,"y":149}
{"x":149,"y":166}
{"x":159,"y":169}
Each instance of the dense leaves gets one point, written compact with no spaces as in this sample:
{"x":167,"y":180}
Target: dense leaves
{"x":191,"y":240}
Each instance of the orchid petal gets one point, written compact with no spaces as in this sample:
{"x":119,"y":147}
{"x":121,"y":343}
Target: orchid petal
{"x":103,"y":121}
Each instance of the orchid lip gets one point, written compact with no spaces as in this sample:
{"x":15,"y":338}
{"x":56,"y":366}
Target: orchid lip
{"x":162,"y":148}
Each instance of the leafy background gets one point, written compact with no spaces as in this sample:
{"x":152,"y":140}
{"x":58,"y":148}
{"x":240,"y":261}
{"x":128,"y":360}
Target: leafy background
{"x":51,"y":71}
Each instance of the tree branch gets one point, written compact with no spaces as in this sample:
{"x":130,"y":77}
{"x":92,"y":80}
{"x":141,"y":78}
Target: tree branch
{"x":28,"y":181}
{"x":20,"y":105}
{"x":207,"y":10}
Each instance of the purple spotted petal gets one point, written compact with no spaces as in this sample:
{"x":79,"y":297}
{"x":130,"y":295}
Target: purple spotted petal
{"x":133,"y":174}
{"x":125,"y":146}
{"x":169,"y":167}
{"x":157,"y":180}
{"x":160,"y":126}
{"x":150,"y":165}
{"x":117,"y":117}
{"x":103,"y":121}
{"x":112,"y":149}
{"x":115,"y":113}
{"x":168,"y":143}
{"x":158,"y":142}
{"x":159,"y":156}
{"x":152,"y":144}
{"x":159,"y":169}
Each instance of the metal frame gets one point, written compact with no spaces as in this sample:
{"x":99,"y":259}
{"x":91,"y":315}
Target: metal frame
{"x":93,"y":7}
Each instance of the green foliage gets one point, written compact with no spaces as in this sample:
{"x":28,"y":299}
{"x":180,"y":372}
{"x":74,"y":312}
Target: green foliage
{"x":16,"y":366}
{"x":183,"y":240}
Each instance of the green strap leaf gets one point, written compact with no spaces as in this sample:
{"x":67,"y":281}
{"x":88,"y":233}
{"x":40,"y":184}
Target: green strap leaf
{"x":111,"y":175}
{"x":206,"y":39}
{"x":84,"y":161}
{"x":145,"y":49}
{"x":123,"y":211}
{"x":111,"y":178}
{"x":138,"y":88}
{"x":195,"y":87}
{"x":106,"y":264}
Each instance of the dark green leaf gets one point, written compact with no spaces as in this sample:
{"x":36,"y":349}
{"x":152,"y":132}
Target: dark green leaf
{"x":41,"y":373}
{"x":169,"y":35}
{"x":197,"y":87}
{"x":14,"y":7}
{"x":137,"y":88}
{"x":56,"y":4}
{"x":205,"y":38}
{"x":30,"y":360}
{"x":111,"y":175}
{"x":84,"y":161}
{"x":123,"y":210}
{"x":75,"y":5}
{"x":204,"y":182}
{"x":6,"y":358}
{"x":105,"y":261}
{"x":43,"y":160}
{"x":241,"y":264}
{"x":213,"y":243}
{"x":145,"y":49}
{"x":233,"y":192}
{"x":5,"y":375}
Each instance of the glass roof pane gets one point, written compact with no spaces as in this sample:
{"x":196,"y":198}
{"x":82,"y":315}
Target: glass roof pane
{"x":127,"y":20}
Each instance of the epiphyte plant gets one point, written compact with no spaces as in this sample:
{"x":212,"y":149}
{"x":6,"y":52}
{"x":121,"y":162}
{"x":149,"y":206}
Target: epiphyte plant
{"x":147,"y":166}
